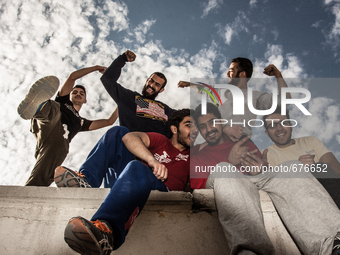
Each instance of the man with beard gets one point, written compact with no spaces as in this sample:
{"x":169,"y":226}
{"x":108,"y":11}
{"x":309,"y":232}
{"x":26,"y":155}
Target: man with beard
{"x":164,"y":167}
{"x":239,"y":73}
{"x":307,"y":211}
{"x":137,"y":112}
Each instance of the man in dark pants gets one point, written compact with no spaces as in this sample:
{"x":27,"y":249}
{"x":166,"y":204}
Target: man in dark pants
{"x":137,"y":112}
{"x":164,"y":167}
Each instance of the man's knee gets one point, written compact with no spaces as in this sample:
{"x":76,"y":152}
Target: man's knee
{"x":117,"y":131}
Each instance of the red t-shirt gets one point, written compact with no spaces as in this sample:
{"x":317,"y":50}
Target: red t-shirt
{"x":176,"y":161}
{"x":211,"y":156}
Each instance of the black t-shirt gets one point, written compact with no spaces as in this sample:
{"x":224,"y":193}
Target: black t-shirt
{"x":70,"y":118}
{"x":135,"y":112}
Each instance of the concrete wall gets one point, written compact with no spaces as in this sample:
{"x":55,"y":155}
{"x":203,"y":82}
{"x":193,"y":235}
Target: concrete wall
{"x":32,"y":221}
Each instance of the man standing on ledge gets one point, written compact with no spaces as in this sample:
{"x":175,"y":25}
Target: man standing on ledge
{"x":55,"y":122}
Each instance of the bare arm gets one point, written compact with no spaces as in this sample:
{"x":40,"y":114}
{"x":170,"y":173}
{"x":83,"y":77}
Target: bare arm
{"x":69,"y":83}
{"x":272,"y":70}
{"x":96,"y":124}
{"x":137,"y":143}
{"x":331,"y":160}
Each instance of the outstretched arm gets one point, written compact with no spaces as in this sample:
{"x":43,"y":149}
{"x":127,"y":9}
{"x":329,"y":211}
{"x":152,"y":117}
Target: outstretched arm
{"x":96,"y":124}
{"x":272,"y":70}
{"x":69,"y":83}
{"x":137,"y":143}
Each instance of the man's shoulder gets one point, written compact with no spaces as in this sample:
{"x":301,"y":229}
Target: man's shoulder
{"x":307,"y":140}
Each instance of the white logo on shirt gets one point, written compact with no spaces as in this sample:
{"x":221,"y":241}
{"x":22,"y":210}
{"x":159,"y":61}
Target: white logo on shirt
{"x":165,"y":158}
{"x":66,"y":131}
{"x":182,"y":157}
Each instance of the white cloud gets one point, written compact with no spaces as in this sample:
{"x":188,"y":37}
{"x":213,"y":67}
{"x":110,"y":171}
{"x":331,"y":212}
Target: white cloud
{"x":229,"y":31}
{"x":253,"y":3}
{"x":50,"y":38}
{"x":324,"y":121}
{"x":289,"y":64}
{"x":333,"y":36}
{"x":140,"y":31}
{"x":211,"y":5}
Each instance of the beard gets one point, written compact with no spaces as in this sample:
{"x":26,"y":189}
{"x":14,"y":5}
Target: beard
{"x":213,"y":142}
{"x":235,"y":80}
{"x":181,"y":140}
{"x":147,"y":95}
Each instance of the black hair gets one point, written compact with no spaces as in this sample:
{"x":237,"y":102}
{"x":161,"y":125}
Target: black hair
{"x":211,"y":108}
{"x":80,"y":87}
{"x":277,"y":111}
{"x":177,"y":117}
{"x":244,"y":64}
{"x":162,"y":76}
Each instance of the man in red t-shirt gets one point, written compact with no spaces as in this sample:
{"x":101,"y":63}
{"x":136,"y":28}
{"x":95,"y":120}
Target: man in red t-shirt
{"x":164,"y":167}
{"x":237,"y":171}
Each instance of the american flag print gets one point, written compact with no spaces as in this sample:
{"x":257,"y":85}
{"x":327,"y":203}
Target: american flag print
{"x":148,"y":108}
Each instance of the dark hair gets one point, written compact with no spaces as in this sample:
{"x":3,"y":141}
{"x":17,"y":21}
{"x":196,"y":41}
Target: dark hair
{"x":277,"y":111}
{"x":162,"y":76}
{"x":80,"y":87}
{"x":177,"y":117}
{"x":211,"y":108}
{"x":244,"y":64}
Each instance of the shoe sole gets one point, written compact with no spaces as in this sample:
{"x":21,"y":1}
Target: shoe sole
{"x":64,"y":177}
{"x":80,"y":238}
{"x":40,"y":91}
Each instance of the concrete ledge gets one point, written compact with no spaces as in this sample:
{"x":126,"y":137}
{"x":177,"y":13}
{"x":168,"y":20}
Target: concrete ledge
{"x":33,"y":220}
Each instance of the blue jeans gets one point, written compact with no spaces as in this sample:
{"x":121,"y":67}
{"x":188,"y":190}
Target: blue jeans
{"x":127,"y":199}
{"x":107,"y":159}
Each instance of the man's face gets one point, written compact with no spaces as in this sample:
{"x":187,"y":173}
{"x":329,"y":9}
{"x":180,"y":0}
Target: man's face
{"x":78,"y":96}
{"x":212,"y":135}
{"x":187,"y":132}
{"x":153,"y":86}
{"x":280,"y":135}
{"x":233,"y":74}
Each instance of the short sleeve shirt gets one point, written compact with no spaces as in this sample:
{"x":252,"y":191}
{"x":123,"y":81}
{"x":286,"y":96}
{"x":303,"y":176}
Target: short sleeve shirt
{"x":176,"y":161}
{"x":303,"y":145}
{"x":70,"y":118}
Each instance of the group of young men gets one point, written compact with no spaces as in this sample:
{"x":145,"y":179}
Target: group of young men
{"x":161,"y":138}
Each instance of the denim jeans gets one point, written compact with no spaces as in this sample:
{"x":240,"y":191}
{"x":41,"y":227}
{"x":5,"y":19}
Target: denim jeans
{"x":127,"y":198}
{"x":107,"y":159}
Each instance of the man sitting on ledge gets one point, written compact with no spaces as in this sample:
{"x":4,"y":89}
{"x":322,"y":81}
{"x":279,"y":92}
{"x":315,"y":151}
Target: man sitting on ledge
{"x":165,"y":167}
{"x":313,"y":154}
{"x":306,"y":209}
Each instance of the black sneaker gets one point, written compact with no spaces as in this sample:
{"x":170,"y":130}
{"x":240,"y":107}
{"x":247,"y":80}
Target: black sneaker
{"x":65,"y":177}
{"x":336,"y":245}
{"x":89,"y":237}
{"x":40,"y":91}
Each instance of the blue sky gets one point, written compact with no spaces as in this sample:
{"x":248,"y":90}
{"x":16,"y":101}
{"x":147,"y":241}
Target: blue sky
{"x":184,"y":39}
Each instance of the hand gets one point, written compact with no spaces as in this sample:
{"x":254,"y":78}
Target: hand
{"x":130,"y":56}
{"x":183,"y":84}
{"x":253,"y":162}
{"x":272,"y":70}
{"x":307,"y":159}
{"x":159,"y":170}
{"x":234,"y":133}
{"x":238,"y":151}
{"x":101,"y":69}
